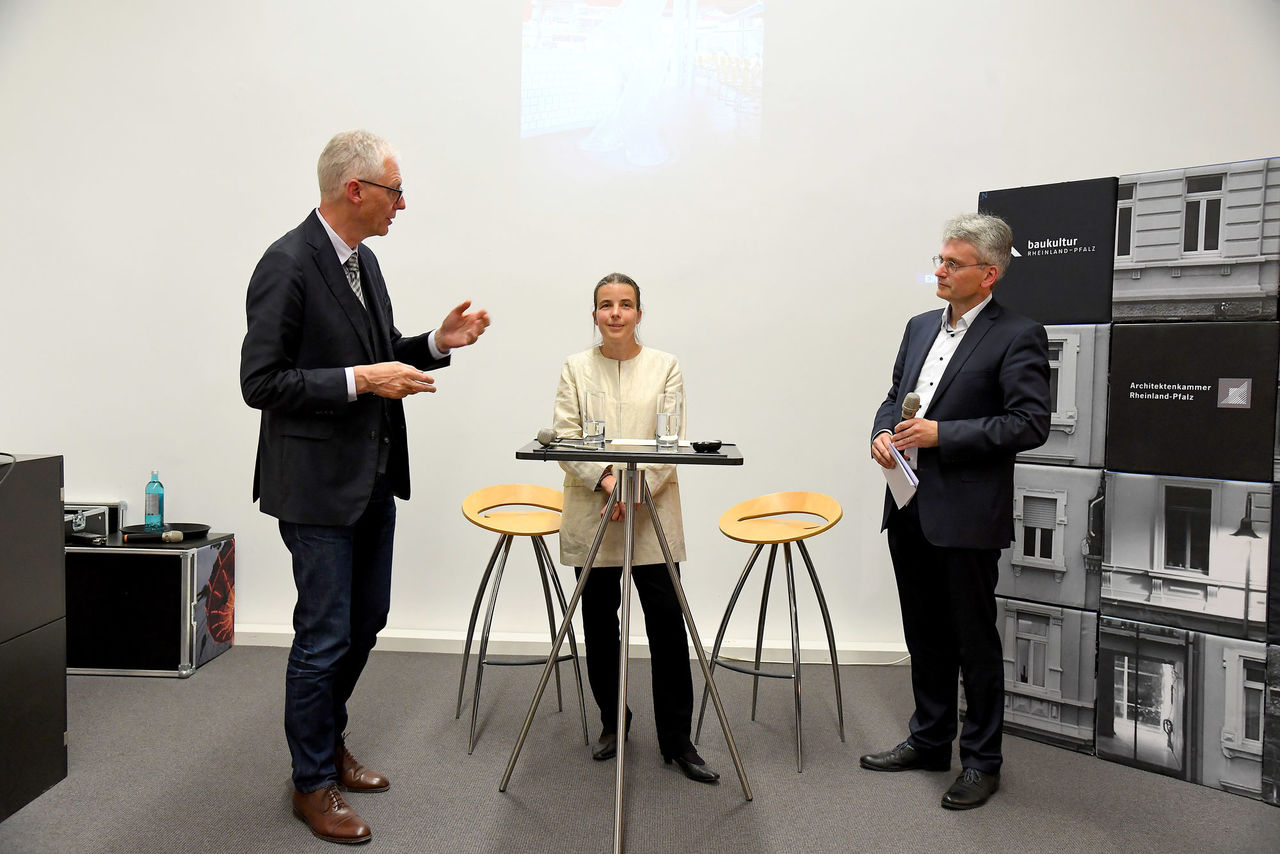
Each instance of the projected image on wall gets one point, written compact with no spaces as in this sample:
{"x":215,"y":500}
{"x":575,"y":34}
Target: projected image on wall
{"x":640,"y":83}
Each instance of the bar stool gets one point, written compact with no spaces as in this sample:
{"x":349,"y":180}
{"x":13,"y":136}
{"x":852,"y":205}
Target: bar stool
{"x":508,"y":524}
{"x":752,"y":522}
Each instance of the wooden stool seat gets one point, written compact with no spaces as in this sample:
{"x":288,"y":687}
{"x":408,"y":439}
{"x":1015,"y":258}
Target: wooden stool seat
{"x":481,"y":509}
{"x":756,"y":521}
{"x":521,"y":523}
{"x":751,"y":522}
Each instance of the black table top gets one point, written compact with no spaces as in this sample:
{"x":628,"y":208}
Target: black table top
{"x":116,"y":543}
{"x":728,"y":455}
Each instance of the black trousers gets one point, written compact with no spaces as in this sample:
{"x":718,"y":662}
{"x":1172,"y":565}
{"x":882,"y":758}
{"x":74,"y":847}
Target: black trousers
{"x":668,"y":649}
{"x":949,"y":619}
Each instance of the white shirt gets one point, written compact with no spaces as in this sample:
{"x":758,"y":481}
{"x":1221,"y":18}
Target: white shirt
{"x":344,"y":252}
{"x":937,"y":359}
{"x":944,"y":347}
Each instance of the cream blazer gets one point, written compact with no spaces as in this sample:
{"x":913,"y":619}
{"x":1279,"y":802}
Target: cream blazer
{"x":631,"y":390}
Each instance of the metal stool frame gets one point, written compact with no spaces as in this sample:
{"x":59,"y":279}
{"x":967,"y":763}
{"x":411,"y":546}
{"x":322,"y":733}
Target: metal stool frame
{"x":473,"y":508}
{"x":754,"y":670}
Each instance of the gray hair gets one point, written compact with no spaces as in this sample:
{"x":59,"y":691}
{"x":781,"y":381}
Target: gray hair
{"x":351,"y":154}
{"x":990,"y":236}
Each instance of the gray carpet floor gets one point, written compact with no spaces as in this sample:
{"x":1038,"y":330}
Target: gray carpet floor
{"x":200,"y":765}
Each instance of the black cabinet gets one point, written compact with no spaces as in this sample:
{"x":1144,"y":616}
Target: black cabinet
{"x":33,"y":637}
{"x":154,"y":609}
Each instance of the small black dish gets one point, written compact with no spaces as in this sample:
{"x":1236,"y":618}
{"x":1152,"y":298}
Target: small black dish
{"x":706,"y":447}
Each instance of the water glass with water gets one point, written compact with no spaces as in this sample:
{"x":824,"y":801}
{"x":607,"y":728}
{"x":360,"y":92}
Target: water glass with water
{"x":593,"y":421}
{"x":667,"y":425}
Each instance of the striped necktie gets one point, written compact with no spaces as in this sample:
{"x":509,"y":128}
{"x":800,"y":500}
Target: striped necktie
{"x":352,"y":268}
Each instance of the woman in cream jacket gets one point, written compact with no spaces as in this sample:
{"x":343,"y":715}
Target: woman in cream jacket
{"x":631,"y":377}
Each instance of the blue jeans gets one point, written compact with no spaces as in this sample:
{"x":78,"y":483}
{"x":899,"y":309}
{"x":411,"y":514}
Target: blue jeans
{"x":343,"y":576}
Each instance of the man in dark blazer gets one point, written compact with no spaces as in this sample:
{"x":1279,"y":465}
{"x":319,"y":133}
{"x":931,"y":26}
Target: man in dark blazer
{"x":982,"y":374}
{"x":323,"y":361}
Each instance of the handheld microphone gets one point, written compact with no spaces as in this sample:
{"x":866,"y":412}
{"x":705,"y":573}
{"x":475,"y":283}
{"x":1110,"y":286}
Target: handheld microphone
{"x":910,"y":405}
{"x":152,"y":537}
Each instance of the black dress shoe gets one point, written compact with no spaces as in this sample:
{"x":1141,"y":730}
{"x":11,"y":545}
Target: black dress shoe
{"x":694,"y":767}
{"x":971,"y":789}
{"x":904,"y":757}
{"x":607,"y":746}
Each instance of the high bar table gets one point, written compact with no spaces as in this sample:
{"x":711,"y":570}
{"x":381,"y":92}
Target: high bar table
{"x":627,"y":488}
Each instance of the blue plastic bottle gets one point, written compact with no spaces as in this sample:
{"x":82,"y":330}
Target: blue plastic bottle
{"x":153,"y":503}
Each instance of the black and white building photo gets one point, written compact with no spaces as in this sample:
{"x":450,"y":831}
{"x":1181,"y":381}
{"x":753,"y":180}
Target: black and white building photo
{"x":1049,"y":689}
{"x":1187,"y":552}
{"x":1273,"y":577}
{"x":1056,"y":555}
{"x":1271,"y":729}
{"x":1200,"y":243}
{"x":1078,"y":357}
{"x":1182,"y":703}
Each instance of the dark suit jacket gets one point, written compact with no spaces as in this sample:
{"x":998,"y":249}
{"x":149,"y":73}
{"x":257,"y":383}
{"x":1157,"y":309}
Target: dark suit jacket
{"x":317,"y":453}
{"x":991,"y":403}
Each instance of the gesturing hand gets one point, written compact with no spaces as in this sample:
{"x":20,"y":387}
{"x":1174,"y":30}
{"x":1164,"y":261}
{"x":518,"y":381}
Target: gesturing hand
{"x":459,"y":329}
{"x":392,"y":379}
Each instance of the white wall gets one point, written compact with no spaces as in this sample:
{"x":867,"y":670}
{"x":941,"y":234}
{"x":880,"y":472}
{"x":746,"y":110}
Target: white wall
{"x":156,"y":148}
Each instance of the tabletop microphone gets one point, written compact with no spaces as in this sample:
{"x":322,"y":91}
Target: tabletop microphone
{"x":547,"y":438}
{"x":910,"y":406}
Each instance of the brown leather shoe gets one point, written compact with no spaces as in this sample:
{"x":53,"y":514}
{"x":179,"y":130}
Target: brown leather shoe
{"x":329,"y":817}
{"x":354,"y":777}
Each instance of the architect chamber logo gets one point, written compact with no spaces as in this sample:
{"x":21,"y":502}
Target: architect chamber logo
{"x":1234,"y":393}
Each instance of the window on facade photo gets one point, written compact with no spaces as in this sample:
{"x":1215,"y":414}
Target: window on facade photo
{"x":1187,"y":522}
{"x":1039,"y":521}
{"x":1146,"y":710}
{"x":1254,"y":684}
{"x":1202,"y":214}
{"x":1124,"y":221}
{"x":1033,"y":646}
{"x":1064,"y":354}
{"x":1055,"y":370}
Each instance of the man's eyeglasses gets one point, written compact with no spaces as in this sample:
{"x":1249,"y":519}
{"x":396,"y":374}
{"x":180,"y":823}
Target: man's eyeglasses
{"x":952,"y":266}
{"x":399,"y":191}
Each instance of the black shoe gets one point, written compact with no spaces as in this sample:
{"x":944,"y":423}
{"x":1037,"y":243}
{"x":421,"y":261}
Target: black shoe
{"x":607,"y":746}
{"x":694,"y":767}
{"x":971,"y":789}
{"x":904,"y":757}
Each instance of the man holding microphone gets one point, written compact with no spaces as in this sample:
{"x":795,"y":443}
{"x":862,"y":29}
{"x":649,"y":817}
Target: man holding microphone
{"x":981,"y":374}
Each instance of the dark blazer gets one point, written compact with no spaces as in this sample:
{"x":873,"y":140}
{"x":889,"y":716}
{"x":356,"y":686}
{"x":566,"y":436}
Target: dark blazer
{"x":991,"y":403}
{"x":317,"y":453}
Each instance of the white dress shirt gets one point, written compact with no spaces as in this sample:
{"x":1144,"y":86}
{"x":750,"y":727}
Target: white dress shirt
{"x":939,"y":356}
{"x":344,"y":252}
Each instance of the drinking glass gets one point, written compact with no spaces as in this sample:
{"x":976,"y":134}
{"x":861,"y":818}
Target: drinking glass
{"x":667,"y":423}
{"x":593,"y":420}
